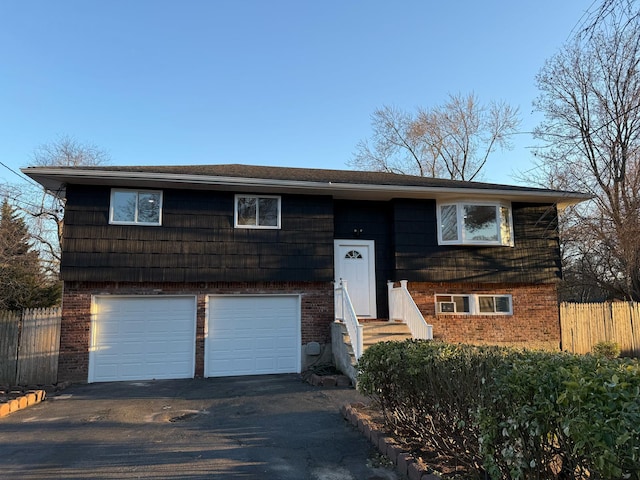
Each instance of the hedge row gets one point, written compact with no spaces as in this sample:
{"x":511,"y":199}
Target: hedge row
{"x":511,"y":414}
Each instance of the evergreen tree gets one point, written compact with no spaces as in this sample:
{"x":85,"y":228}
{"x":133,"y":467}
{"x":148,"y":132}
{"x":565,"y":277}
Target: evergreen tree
{"x":22,"y":282}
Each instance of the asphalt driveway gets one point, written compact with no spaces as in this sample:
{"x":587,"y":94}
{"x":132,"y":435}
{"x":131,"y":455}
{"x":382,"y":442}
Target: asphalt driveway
{"x":266,"y":427}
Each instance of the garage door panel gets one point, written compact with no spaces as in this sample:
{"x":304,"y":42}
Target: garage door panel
{"x":132,"y":328}
{"x":250,"y":335}
{"x":142,"y":338}
{"x":106,"y":370}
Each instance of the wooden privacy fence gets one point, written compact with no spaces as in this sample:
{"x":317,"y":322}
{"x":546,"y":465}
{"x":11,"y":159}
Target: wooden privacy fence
{"x":585,"y":324}
{"x":29,"y":346}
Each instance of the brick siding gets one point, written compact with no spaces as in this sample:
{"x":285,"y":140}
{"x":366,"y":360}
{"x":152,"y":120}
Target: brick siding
{"x":535,"y":322}
{"x":316,"y":312}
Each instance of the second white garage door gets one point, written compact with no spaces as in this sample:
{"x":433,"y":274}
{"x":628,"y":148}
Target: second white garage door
{"x":252,"y":335}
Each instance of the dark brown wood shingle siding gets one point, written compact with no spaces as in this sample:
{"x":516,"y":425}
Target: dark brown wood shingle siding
{"x":375,"y":219}
{"x":196,"y":242}
{"x":535,"y":258}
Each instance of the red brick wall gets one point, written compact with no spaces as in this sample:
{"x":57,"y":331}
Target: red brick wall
{"x":535,"y":322}
{"x":73,"y":365}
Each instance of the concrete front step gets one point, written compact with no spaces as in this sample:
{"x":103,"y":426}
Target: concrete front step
{"x":384,"y":327}
{"x":381,"y":331}
{"x":374,"y":331}
{"x":396,"y":337}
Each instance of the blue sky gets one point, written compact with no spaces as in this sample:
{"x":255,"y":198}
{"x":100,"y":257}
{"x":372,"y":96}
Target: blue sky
{"x":265,"y":82}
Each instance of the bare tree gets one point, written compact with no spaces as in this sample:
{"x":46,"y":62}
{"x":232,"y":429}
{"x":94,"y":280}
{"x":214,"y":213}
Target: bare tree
{"x":68,"y":152}
{"x":453,"y":140}
{"x":395,"y":146}
{"x":607,"y":11}
{"x":22,"y":281}
{"x":44,"y":209}
{"x":590,"y":96}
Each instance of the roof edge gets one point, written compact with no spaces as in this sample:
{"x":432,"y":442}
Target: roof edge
{"x":55,"y":179}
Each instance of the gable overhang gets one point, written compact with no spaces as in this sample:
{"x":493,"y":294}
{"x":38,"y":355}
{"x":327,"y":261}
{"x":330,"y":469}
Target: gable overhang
{"x":56,"y":179}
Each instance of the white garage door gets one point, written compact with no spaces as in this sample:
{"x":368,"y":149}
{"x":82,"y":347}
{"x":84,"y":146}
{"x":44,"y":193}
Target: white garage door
{"x":252,"y":335}
{"x":142,"y":338}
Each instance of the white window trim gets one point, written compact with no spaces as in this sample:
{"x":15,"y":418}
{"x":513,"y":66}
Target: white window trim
{"x":474,"y":304}
{"x":438,"y":308}
{"x":460,"y":231}
{"x":135,"y":222}
{"x":260,"y":227}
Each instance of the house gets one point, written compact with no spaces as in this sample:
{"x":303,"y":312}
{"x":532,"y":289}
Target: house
{"x":215,"y":270}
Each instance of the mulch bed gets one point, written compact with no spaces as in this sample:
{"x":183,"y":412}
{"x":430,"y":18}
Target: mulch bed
{"x":434,"y":462}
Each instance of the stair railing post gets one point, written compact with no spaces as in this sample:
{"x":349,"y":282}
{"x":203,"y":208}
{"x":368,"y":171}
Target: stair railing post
{"x":343,"y":284}
{"x":405,"y":291}
{"x":392,"y":301}
{"x":336,"y":300}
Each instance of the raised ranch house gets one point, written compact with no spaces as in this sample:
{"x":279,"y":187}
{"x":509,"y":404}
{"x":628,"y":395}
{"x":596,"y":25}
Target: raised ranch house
{"x":215,"y":270}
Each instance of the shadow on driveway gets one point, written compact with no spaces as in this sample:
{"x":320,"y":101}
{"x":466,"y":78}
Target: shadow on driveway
{"x":263,"y":427}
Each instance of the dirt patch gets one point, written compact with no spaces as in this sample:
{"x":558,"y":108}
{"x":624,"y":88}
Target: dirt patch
{"x":325,"y":376}
{"x":444,"y":466}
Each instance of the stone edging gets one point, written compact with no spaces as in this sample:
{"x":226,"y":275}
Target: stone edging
{"x":404,"y":462}
{"x":23,"y":401}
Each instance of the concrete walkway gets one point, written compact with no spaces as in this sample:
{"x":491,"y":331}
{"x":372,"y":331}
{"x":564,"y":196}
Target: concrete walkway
{"x":266,"y":427}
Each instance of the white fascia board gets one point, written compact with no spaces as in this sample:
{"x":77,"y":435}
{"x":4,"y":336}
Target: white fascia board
{"x":55,"y":178}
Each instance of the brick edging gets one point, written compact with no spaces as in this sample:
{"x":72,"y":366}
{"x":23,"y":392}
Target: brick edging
{"x":404,"y":462}
{"x":23,"y":401}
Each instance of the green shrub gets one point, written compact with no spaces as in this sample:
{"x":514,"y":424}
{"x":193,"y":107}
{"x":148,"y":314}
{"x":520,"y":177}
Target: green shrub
{"x":606,"y":349}
{"x":566,"y":416}
{"x":512,"y":414}
{"x":601,"y":406}
{"x":430,"y":391}
{"x":521,"y":422}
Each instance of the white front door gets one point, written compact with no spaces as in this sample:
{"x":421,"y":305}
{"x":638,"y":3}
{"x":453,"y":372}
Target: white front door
{"x":355,"y":263}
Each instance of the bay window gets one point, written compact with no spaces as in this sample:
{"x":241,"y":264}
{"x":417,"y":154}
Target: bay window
{"x":475,"y":223}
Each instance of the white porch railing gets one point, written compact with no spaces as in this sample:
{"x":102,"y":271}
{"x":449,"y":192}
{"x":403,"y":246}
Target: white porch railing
{"x":403,"y":308}
{"x":346,"y":314}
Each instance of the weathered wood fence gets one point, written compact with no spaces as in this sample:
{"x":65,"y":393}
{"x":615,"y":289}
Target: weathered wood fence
{"x":29,"y":346}
{"x":585,"y":324}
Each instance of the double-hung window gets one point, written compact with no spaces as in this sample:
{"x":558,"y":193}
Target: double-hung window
{"x":474,"y":304}
{"x":257,"y":211}
{"x":475,"y":223}
{"x":135,"y":207}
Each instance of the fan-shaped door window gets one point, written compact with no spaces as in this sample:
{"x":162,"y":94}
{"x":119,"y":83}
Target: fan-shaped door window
{"x":353,"y":254}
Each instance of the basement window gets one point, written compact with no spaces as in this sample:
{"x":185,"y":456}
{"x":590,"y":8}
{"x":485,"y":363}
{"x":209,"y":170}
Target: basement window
{"x":475,"y":223}
{"x":135,"y":207}
{"x":474,"y":304}
{"x":453,"y":304}
{"x":252,"y":211}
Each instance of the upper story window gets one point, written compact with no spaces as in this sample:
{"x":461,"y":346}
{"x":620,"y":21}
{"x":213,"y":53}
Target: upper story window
{"x":136,"y":207}
{"x":257,"y":211}
{"x":475,"y":223}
